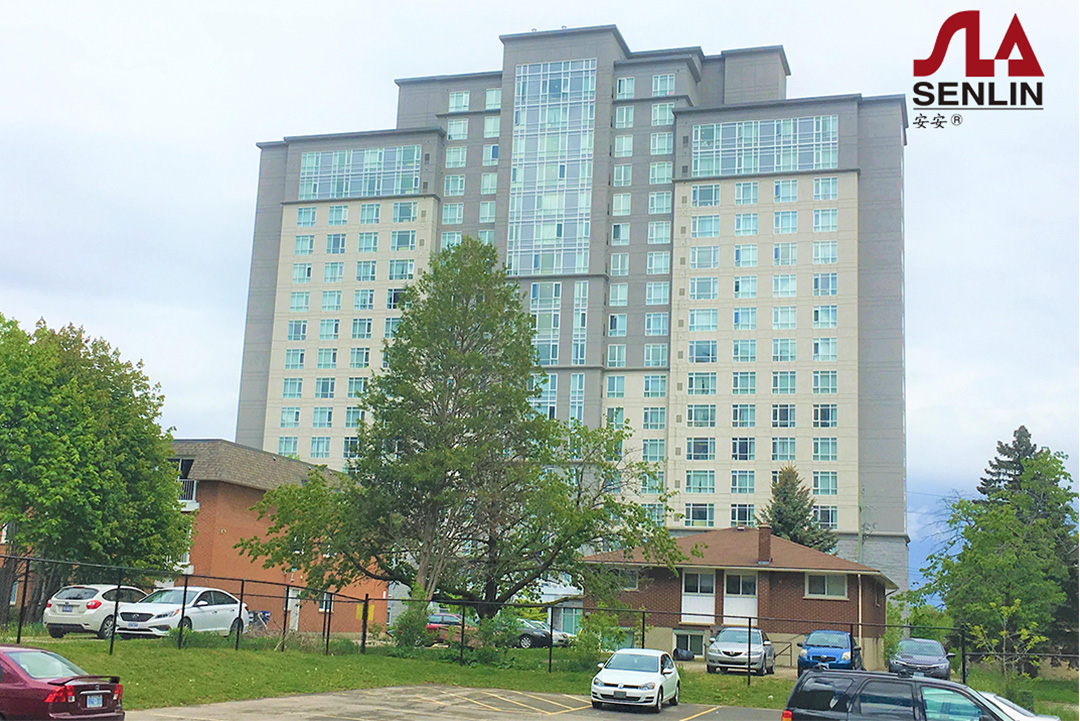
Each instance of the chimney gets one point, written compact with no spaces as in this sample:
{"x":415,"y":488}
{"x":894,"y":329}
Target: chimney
{"x":764,"y":544}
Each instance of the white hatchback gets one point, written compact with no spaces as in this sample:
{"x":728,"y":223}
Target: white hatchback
{"x":637,"y":677}
{"x":87,"y":608}
{"x":206,"y":609}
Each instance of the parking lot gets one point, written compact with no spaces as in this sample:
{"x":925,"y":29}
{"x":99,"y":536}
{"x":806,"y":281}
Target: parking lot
{"x":434,"y":702}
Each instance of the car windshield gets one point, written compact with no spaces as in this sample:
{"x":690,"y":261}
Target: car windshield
{"x":633,"y":662}
{"x":529,"y":623}
{"x":75,"y":593}
{"x":170,"y":595}
{"x":832,"y":639}
{"x":45,"y":664}
{"x":738,"y":635}
{"x":921,"y":647}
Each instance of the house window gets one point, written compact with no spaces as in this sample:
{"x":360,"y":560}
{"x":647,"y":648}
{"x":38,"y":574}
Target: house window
{"x":692,"y":641}
{"x":826,"y":585}
{"x":704,"y":583}
{"x":736,"y":584}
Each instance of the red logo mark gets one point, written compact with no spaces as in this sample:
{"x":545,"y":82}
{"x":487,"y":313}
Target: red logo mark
{"x":1027,"y":65}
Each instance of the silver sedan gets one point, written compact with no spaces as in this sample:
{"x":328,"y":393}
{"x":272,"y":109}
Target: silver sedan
{"x":728,"y":651}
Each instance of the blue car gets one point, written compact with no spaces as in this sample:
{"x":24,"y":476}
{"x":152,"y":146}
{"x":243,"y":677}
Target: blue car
{"x":833,"y":649}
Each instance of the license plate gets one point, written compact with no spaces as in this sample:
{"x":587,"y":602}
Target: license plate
{"x":93,"y":701}
{"x":133,"y":625}
{"x":66,"y":609}
{"x":620,"y":694}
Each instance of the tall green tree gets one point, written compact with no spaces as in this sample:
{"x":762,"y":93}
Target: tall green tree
{"x":84,"y":471}
{"x":791,"y":513}
{"x":1003,"y":472}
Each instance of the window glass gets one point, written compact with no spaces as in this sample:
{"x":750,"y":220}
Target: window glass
{"x":886,"y":699}
{"x":822,"y":694}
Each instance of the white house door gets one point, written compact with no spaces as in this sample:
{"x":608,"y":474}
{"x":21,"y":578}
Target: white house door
{"x":740,"y":597}
{"x":699,"y":596}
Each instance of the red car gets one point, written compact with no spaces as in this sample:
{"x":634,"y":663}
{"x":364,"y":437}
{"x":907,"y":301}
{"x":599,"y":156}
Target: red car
{"x":39,"y":684}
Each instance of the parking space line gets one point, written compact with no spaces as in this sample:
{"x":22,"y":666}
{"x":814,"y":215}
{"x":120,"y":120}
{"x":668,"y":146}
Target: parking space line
{"x":432,"y":700}
{"x":523,"y":705}
{"x":545,"y":700}
{"x":568,"y":710}
{"x":572,"y":698}
{"x":479,"y":703}
{"x":702,"y":713}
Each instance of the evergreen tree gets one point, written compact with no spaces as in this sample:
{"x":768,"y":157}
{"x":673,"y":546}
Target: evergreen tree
{"x":791,"y":513}
{"x":1004,"y":471}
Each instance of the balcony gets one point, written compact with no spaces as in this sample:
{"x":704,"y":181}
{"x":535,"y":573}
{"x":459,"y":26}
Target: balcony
{"x":187,"y":494}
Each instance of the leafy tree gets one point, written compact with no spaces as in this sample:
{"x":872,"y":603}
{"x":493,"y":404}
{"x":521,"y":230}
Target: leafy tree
{"x":84,"y":471}
{"x":791,"y":513}
{"x":1004,"y":470}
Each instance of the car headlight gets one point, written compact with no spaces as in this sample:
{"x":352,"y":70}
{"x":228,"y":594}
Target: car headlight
{"x":804,"y":654}
{"x":168,"y":614}
{"x":596,"y":681}
{"x":846,"y":656}
{"x":648,"y":686}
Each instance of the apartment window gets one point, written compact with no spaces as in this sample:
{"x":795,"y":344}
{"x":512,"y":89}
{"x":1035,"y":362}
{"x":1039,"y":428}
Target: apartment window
{"x":785,"y":191}
{"x":825,"y":252}
{"x":359,"y":357}
{"x":620,"y":204}
{"x":783,"y":449}
{"x":288,"y":446}
{"x":783,"y":350}
{"x":361,"y":328}
{"x":824,"y":449}
{"x":657,"y":293}
{"x":369,"y":213}
{"x":620,"y":264}
{"x":825,"y":188}
{"x":825,"y":220}
{"x":290,"y":417}
{"x":294,"y":359}
{"x":825,"y":483}
{"x":825,"y":415}
{"x":705,"y":226}
{"x":449,"y":239}
{"x":700,"y":449}
{"x":365,"y":270}
{"x":393,"y":298}
{"x":491,"y":154}
{"x":484,"y":236}
{"x":784,"y":286}
{"x":616,"y":325}
{"x":305,"y":245}
{"x":357,"y":386}
{"x":660,"y":173}
{"x":353,"y":417}
{"x":616,"y":416}
{"x":621,"y":176}
{"x":742,"y":481}
{"x":745,"y":256}
{"x":661,"y":144}
{"x":624,"y":116}
{"x":493,"y":99}
{"x":624,"y":146}
{"x":655,"y":386}
{"x":825,"y":349}
{"x":401,"y":270}
{"x":455,"y":156}
{"x":663,"y":114}
{"x":454,"y":185}
{"x":616,"y":386}
{"x":337,"y":215}
{"x":742,"y":514}
{"x":390,"y":327}
{"x":305,"y":217}
{"x":299,"y":301}
{"x":744,"y":351}
{"x":617,"y":294}
{"x":292,"y":388}
{"x":824,"y":283}
{"x":658,"y":262}
{"x":785,"y":221}
{"x":701,"y":384}
{"x":698,"y":515}
{"x":704,"y":288}
{"x":653,"y":450}
{"x":663,"y":85}
{"x":333,"y":272}
{"x":367,"y":243}
{"x":656,"y":355}
{"x":459,"y":101}
{"x":746,"y":193}
{"x":656,"y":324}
{"x":784,"y":317}
{"x":703,"y":320}
{"x":320,"y":447}
{"x":742,"y":449}
{"x":457,"y":129}
{"x":824,"y":316}
{"x":453,"y":213}
{"x":492,"y":126}
{"x":783,"y":382}
{"x":743,"y":415}
{"x":744,"y":383}
{"x":487,"y":211}
{"x":701,"y":481}
{"x":659,"y":232}
{"x":405,"y":212}
{"x":335,"y":244}
{"x":746,"y":224}
{"x":654,"y":419}
{"x":705,"y":196}
{"x":783,"y":415}
{"x":702,"y":351}
{"x":785,"y":253}
{"x":701,"y":416}
{"x":624,"y":89}
{"x":406,"y":239}
{"x":328,"y":329}
{"x":331,"y":300}
{"x":744,"y":319}
{"x":301,"y":273}
{"x":824,"y":382}
{"x":297,"y":330}
{"x":620,"y":234}
{"x":488,"y":184}
{"x":322,"y":417}
{"x":745,"y":286}
{"x":825,"y":516}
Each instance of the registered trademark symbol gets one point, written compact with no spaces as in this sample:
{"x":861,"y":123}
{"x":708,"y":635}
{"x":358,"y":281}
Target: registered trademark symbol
{"x":957,"y":119}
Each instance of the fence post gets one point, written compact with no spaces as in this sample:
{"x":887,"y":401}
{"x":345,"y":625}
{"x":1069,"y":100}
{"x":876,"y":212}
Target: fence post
{"x":749,"y":633}
{"x":22,"y":603}
{"x":643,"y":628}
{"x":851,"y":640}
{"x":551,"y":635}
{"x":285,"y":616}
{"x":116,"y":610}
{"x":183,"y":615}
{"x":963,"y":655}
{"x":239,"y":613}
{"x":363,"y":626}
{"x":329,"y":617}
{"x":461,"y":644}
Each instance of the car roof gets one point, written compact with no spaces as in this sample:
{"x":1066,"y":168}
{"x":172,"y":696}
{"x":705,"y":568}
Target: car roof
{"x":640,"y":652}
{"x":881,"y":675}
{"x":191,"y":589}
{"x":95,"y":586}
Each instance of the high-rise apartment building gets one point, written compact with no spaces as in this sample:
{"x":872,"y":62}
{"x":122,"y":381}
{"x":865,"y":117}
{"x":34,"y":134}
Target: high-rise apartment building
{"x":716,"y":263}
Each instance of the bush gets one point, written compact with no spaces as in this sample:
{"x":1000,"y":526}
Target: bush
{"x":410,"y":629}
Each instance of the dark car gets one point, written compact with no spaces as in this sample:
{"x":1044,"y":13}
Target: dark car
{"x":38,"y":684}
{"x":829,"y":649}
{"x":532,"y":634}
{"x":920,"y":655}
{"x":823,"y":695}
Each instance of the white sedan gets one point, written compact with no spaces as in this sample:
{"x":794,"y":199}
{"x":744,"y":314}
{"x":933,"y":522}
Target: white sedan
{"x":637,"y":677}
{"x":207,"y":609}
{"x":86,"y":608}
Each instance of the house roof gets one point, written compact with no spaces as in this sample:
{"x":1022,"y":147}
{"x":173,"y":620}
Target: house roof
{"x":227,"y":462}
{"x":738,"y":548}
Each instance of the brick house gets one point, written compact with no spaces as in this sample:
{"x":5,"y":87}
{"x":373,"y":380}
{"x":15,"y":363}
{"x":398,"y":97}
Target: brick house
{"x":220,"y":481}
{"x":735,"y":574}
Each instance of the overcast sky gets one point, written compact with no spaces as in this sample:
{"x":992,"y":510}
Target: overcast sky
{"x":128,"y":173}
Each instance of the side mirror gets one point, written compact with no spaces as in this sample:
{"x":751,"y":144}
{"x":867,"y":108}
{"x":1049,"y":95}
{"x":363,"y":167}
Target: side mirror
{"x":856,"y":648}
{"x":668,"y":671}
{"x":600,"y":666}
{"x":712,"y":639}
{"x":950,"y":655}
{"x":769,"y":643}
{"x":200,"y":604}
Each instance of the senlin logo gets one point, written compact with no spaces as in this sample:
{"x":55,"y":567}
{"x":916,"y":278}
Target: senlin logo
{"x":988,"y":95}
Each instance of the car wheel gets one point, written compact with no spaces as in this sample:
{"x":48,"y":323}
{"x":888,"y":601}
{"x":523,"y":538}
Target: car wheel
{"x":525,"y":641}
{"x":236,"y":627}
{"x":56,"y":632}
{"x":675,"y":698}
{"x":772,"y":668}
{"x":659,"y":706}
{"x":597,"y":704}
{"x":710,"y":669}
{"x":106,"y":628}
{"x":185,"y":623}
{"x":760,"y":671}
